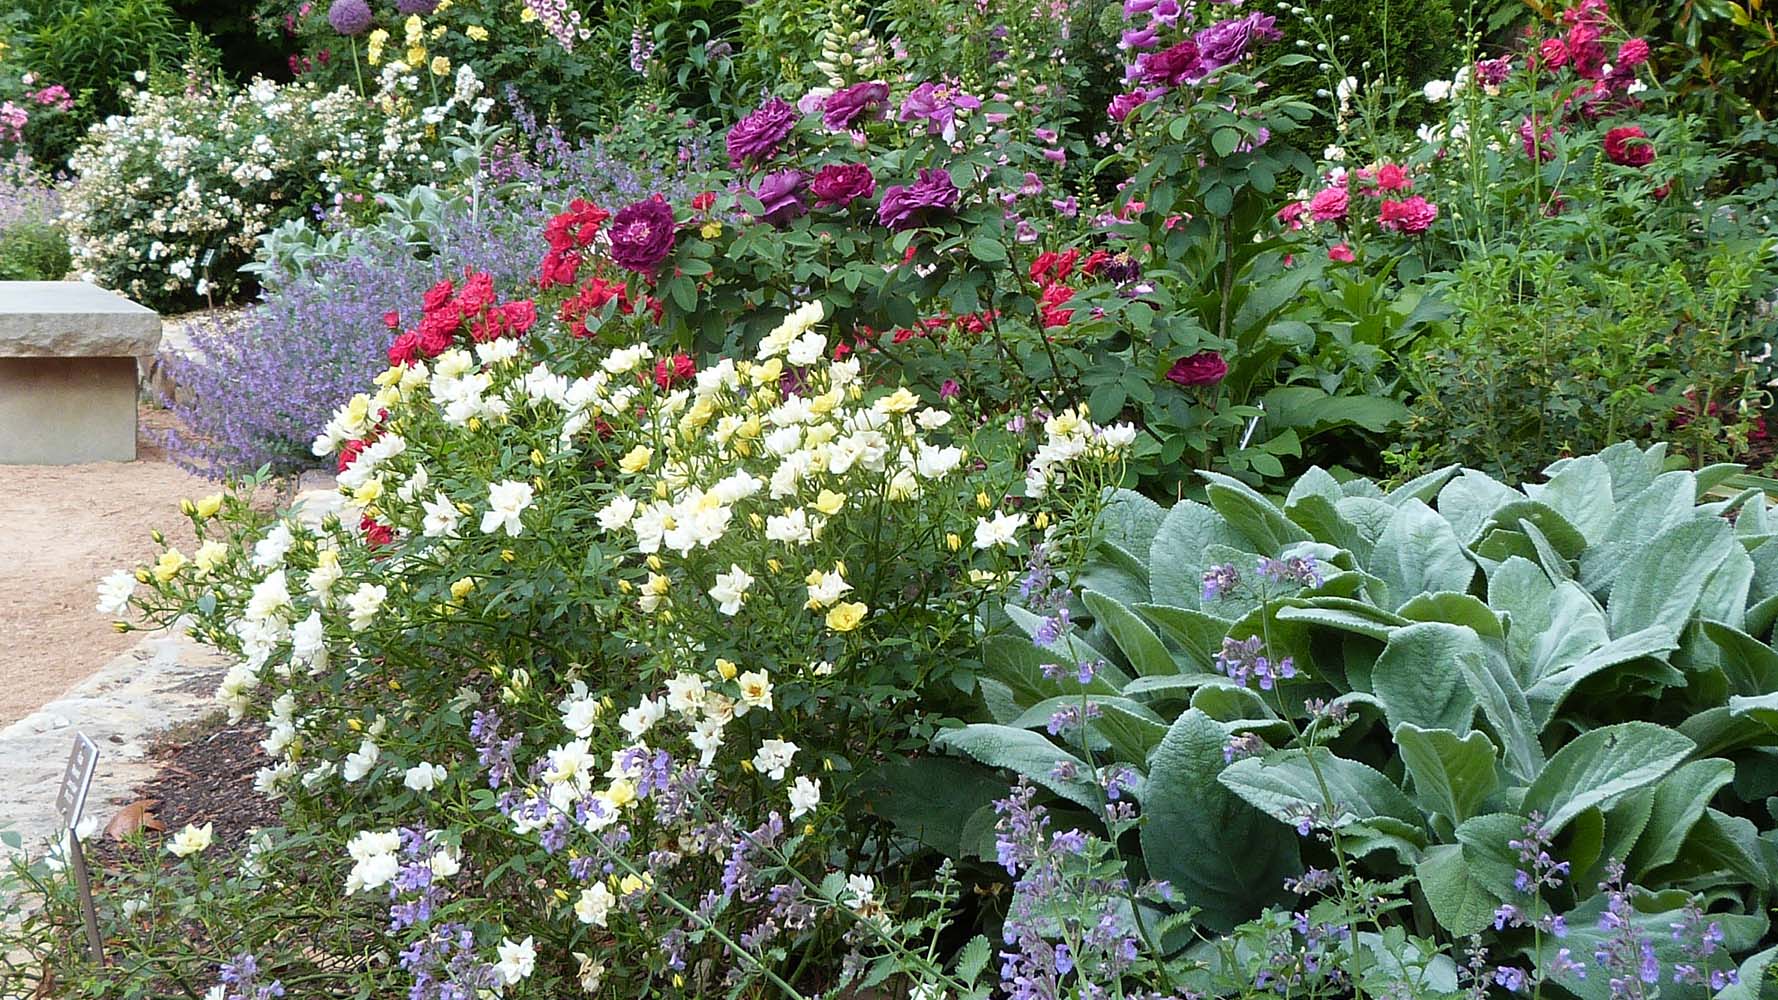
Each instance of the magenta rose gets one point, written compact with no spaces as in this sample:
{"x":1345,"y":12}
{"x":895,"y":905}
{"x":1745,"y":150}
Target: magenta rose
{"x":1173,"y":66}
{"x":844,"y":107}
{"x":642,"y":235}
{"x":781,"y":194}
{"x":1123,"y":104}
{"x":1410,"y":215}
{"x":1628,"y":146}
{"x":756,"y":137}
{"x":1225,"y":42}
{"x":1202,"y":368}
{"x":842,"y":183}
{"x":1329,"y":204}
{"x":905,"y":206}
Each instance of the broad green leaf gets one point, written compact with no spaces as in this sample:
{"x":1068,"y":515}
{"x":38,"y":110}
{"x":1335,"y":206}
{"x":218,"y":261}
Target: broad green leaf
{"x":1677,"y":803}
{"x":1221,"y":854}
{"x":1574,"y":625}
{"x":1581,"y":492}
{"x":1347,"y":615}
{"x":1721,"y":843}
{"x":1422,"y":487}
{"x":1521,"y":590}
{"x":1140,"y":646}
{"x":1421,"y":676}
{"x":1418,"y":553}
{"x":1725,"y":594}
{"x":1314,"y":482}
{"x":1024,"y":752}
{"x":1131,"y":520}
{"x":929,"y":798}
{"x":1175,"y":687}
{"x":1200,"y":634}
{"x":1257,"y":519}
{"x":1661,"y":583}
{"x":1176,"y":559}
{"x":1752,"y":978}
{"x":1453,"y":609}
{"x":1632,"y":469}
{"x":1599,"y":766}
{"x":1132,"y":730}
{"x":1503,"y":702}
{"x":1750,"y":665}
{"x":1285,"y":786}
{"x":1459,"y":901}
{"x":1564,"y":538}
{"x":1468,"y":500}
{"x":1487,"y":850}
{"x":1452,"y":775}
{"x":1548,"y":693}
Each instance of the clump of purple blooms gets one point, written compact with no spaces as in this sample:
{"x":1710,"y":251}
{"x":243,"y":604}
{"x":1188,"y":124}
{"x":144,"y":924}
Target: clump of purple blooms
{"x":1224,"y":579}
{"x":349,"y":17}
{"x":239,"y":979}
{"x":1245,"y":659}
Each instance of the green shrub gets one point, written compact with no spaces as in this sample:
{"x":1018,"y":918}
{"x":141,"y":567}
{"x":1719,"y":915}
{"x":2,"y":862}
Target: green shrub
{"x":33,"y":251}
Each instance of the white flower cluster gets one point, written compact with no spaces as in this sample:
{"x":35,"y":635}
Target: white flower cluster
{"x":172,"y":197}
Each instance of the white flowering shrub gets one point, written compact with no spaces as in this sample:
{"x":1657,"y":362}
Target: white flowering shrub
{"x":172,"y":196}
{"x":637,"y":632}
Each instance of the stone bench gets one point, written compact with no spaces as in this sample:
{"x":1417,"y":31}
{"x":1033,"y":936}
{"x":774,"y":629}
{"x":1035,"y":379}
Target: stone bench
{"x":68,"y":353}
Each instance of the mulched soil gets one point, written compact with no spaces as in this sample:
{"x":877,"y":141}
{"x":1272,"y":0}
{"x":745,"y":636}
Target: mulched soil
{"x":205,"y":775}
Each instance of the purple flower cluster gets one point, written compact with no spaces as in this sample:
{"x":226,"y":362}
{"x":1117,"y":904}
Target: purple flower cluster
{"x":938,"y":105}
{"x":1627,"y":955}
{"x":349,"y":17}
{"x":1245,"y":659}
{"x":1188,"y":60}
{"x":239,"y":979}
{"x":1220,"y":581}
{"x":1700,"y":941}
{"x":445,"y":966}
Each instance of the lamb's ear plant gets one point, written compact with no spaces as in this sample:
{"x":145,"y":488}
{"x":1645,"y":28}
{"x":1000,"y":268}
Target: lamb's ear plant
{"x":1405,"y":683}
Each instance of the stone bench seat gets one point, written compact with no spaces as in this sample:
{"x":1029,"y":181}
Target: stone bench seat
{"x":68,"y":353}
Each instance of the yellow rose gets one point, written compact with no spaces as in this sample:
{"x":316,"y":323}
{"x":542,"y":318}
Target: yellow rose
{"x":710,"y":230}
{"x":632,"y":883}
{"x":953,"y":541}
{"x":438,"y":31}
{"x":441,"y":66}
{"x":416,"y":55}
{"x":846,"y":616}
{"x":169,"y":565}
{"x":461,"y":588}
{"x":621,"y":793}
{"x":476,"y":33}
{"x":414,"y":28}
{"x":210,"y":555}
{"x":899,"y":401}
{"x":726,"y":668}
{"x":637,"y":459}
{"x":527,"y":15}
{"x":829,"y":502}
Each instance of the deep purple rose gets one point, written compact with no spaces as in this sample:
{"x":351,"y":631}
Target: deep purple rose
{"x":1173,"y":66}
{"x":907,"y":205}
{"x":1202,"y":368}
{"x":844,"y":107}
{"x":349,"y":17}
{"x":757,"y":136}
{"x":1225,"y":42}
{"x":781,"y":194}
{"x":842,"y":183}
{"x":642,"y":235}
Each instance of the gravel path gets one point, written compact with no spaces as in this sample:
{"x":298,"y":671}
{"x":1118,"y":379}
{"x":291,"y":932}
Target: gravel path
{"x":63,"y":528}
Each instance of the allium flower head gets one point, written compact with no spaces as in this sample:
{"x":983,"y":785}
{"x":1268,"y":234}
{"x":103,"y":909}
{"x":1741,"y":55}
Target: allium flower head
{"x":349,"y":17}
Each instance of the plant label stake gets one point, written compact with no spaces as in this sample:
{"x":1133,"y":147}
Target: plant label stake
{"x":70,"y":804}
{"x":1252,"y":425}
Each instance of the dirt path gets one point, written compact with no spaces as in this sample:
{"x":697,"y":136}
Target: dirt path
{"x":63,"y":528}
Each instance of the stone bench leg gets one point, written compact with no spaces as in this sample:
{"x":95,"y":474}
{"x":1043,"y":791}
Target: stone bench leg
{"x":61,"y":411}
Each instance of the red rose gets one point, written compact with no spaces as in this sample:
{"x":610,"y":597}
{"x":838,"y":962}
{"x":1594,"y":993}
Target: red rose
{"x":392,"y":320}
{"x":1553,"y":53}
{"x":437,"y":296}
{"x":559,"y":268}
{"x":376,"y":534}
{"x":669,"y":372}
{"x":405,"y":350}
{"x":576,"y":227}
{"x":1628,"y":146}
{"x":1340,"y":253}
{"x":349,"y":453}
{"x":703,"y":202}
{"x":1202,"y":368}
{"x":1050,"y":305}
{"x":1393,"y":178}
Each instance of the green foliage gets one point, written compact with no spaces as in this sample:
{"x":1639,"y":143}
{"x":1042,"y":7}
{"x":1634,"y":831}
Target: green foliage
{"x":1539,"y":364}
{"x":33,"y":251}
{"x":92,"y":47}
{"x":1589,"y":656}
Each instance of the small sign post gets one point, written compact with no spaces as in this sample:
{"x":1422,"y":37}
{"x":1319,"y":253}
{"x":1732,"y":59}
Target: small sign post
{"x":70,"y":804}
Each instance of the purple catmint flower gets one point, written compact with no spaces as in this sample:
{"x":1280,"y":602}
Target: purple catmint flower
{"x":349,"y":17}
{"x":1221,"y":581}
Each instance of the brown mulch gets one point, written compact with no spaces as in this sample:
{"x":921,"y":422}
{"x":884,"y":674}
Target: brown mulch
{"x":205,"y":775}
